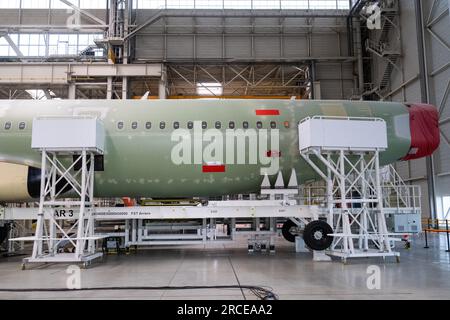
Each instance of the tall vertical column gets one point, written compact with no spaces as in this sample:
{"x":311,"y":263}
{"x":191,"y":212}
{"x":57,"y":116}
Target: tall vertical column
{"x":109,"y":88}
{"x":425,"y":95}
{"x":126,"y":21}
{"x":330,"y":204}
{"x":359,"y":54}
{"x":81,"y":218}
{"x":72,"y":93}
{"x":125,"y":88}
{"x":162,"y":88}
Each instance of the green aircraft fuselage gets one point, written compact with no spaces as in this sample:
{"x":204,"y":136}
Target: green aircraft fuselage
{"x":137,"y":158}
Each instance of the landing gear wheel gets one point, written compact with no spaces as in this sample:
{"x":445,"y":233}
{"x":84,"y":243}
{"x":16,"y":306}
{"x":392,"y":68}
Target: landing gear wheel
{"x":289,"y":230}
{"x":316,"y":235}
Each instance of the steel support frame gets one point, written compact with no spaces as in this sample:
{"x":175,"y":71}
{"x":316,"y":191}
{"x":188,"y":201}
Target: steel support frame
{"x":239,"y":79}
{"x":354,"y":202}
{"x":57,"y":176}
{"x":280,"y":203}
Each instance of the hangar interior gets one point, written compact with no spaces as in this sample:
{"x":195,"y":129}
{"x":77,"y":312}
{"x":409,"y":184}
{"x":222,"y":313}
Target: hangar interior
{"x":247,"y":49}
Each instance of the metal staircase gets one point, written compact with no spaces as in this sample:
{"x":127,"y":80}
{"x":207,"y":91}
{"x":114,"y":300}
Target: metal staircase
{"x":385,"y":46}
{"x":398,"y":196}
{"x":386,"y":77}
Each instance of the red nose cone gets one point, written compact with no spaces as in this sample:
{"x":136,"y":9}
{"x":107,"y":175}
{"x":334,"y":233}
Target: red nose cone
{"x":425,"y":135}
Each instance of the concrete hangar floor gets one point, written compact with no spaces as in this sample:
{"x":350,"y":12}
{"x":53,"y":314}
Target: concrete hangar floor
{"x":421,"y":274}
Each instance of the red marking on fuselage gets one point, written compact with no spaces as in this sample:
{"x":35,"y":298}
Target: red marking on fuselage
{"x":266,"y":112}
{"x":213,"y":168}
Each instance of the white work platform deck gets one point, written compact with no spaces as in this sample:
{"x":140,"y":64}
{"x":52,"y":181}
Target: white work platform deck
{"x":349,"y":133}
{"x":68,"y":134}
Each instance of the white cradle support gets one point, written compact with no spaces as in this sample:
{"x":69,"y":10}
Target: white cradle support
{"x":345,"y":152}
{"x":68,"y":147}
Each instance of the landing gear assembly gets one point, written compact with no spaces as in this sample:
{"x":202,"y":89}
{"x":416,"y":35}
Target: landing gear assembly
{"x":290,"y":230}
{"x":315,"y":234}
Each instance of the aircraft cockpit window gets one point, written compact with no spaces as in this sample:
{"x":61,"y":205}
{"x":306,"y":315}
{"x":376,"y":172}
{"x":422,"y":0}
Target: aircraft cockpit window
{"x":22,"y":126}
{"x":7,"y":125}
{"x":218,"y":125}
{"x":120,"y":125}
{"x":231,"y":125}
{"x":176,"y":125}
{"x":134,"y":125}
{"x":273,"y":124}
{"x":162,"y":125}
{"x":190,"y":125}
{"x":259,"y":125}
{"x":204,"y":125}
{"x":245,"y":124}
{"x":148,"y":125}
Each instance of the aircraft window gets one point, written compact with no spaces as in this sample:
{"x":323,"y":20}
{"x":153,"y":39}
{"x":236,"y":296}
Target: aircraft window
{"x":22,"y":126}
{"x":162,"y":125}
{"x":204,"y":125}
{"x":273,"y":125}
{"x":176,"y":125}
{"x":245,"y":124}
{"x":218,"y":125}
{"x":134,"y":125}
{"x":231,"y":125}
{"x":148,"y":125}
{"x":7,"y":125}
{"x":190,"y":125}
{"x":259,"y":125}
{"x":120,"y":125}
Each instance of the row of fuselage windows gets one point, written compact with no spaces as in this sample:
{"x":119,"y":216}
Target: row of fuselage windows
{"x":8,"y":125}
{"x":190,"y":125}
{"x":176,"y":125}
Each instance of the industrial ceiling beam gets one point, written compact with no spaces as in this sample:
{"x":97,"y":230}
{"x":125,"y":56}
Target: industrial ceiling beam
{"x":235,"y":14}
{"x":84,"y":12}
{"x":13,"y":45}
{"x":150,"y":21}
{"x":50,"y":28}
{"x":63,"y":73}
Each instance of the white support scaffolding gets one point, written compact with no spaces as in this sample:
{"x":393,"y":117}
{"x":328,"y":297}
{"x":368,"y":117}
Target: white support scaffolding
{"x":351,"y":169}
{"x":67,"y":165}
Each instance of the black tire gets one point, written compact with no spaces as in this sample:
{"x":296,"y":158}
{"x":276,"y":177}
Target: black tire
{"x":286,"y":231}
{"x":316,"y":235}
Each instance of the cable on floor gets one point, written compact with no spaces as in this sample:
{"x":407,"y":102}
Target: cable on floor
{"x":260,"y":292}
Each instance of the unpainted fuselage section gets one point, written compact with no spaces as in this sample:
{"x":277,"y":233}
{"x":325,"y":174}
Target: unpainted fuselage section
{"x":138,"y":159}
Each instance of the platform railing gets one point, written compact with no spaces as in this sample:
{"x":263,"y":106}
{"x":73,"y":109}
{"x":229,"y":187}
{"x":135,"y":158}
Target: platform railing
{"x":398,"y":194}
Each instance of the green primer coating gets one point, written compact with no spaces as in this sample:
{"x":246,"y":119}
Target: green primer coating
{"x":138,"y":161}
